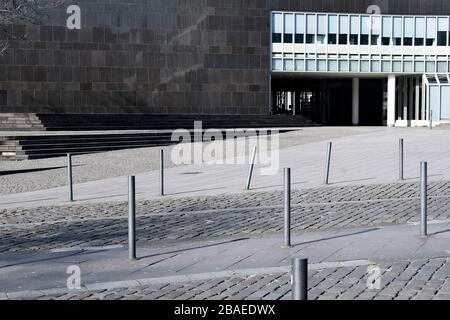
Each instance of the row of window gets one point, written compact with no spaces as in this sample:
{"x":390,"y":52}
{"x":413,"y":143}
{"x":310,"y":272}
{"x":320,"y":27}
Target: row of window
{"x":313,"y":28}
{"x":361,"y":56}
{"x":325,"y":65}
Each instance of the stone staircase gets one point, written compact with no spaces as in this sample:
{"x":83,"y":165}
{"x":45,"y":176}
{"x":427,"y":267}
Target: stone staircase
{"x":46,"y":146}
{"x":83,"y":133}
{"x":101,"y":122}
{"x":20,"y":122}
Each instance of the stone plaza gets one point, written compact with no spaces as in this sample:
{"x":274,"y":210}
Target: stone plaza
{"x":208,"y":238}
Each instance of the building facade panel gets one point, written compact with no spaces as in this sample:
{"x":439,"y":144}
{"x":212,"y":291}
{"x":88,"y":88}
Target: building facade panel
{"x":160,"y":56}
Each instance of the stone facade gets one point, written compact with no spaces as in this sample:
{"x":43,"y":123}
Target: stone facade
{"x":158,"y":56}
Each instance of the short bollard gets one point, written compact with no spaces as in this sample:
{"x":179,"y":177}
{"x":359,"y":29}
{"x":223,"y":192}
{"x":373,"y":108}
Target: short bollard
{"x":69,"y":176}
{"x":299,"y":279}
{"x":250,"y":171}
{"x":431,"y":119}
{"x":400,"y":168}
{"x":327,"y":164}
{"x":423,"y":198}
{"x":161,"y":172}
{"x":132,"y":218}
{"x":287,"y":207}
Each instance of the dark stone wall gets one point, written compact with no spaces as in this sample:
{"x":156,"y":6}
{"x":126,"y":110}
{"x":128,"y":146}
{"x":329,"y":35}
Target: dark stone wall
{"x":158,"y":56}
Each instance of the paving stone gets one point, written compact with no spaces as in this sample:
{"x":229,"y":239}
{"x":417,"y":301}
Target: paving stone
{"x":270,"y":287}
{"x":185,"y":218}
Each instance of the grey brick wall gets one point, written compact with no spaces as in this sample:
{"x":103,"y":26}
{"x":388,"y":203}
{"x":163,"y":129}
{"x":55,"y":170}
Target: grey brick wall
{"x":158,"y":56}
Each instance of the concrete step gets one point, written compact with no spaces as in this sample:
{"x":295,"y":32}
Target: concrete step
{"x":20,"y":122}
{"x":164,"y":121}
{"x":45,"y":146}
{"x":41,"y":146}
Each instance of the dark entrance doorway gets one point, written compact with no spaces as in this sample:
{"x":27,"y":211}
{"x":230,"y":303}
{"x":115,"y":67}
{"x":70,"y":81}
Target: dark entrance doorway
{"x":329,"y":101}
{"x":339,"y":102}
{"x":324,"y":101}
{"x":371,"y":99}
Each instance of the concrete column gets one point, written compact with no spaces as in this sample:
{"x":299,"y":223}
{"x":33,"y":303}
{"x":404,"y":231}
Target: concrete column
{"x":418,"y":88}
{"x":411,"y":106}
{"x":391,"y":101}
{"x":405,"y":99}
{"x":399,"y":93}
{"x":424,"y":102}
{"x":355,"y":102}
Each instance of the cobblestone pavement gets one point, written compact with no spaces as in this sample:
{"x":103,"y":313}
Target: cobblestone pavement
{"x":209,"y":217}
{"x":401,"y":280}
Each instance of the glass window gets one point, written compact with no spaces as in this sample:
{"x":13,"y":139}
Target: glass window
{"x":332,"y":65}
{"x":354,"y":66}
{"x":299,"y":28}
{"x":431,"y":31}
{"x":419,"y":66}
{"x":386,"y":66}
{"x":321,"y":28}
{"x":332,"y":29}
{"x":321,"y":65}
{"x":310,"y":65}
{"x":332,"y":39}
{"x":288,"y":65}
{"x":277,"y":64}
{"x":434,"y":101}
{"x":407,"y":66}
{"x":299,"y":65}
{"x":445,"y":102}
{"x":288,"y":28}
{"x":397,"y":31}
{"x":375,"y":66}
{"x":354,"y":29}
{"x":442,"y":79}
{"x":310,"y":28}
{"x":420,"y":32}
{"x":386,"y":31}
{"x":408,"y":31}
{"x":277,"y":27}
{"x":343,"y":65}
{"x":430,"y":66}
{"x":343,"y":29}
{"x":442,"y":32}
{"x":396,"y":66}
{"x":376,"y":30}
{"x":365,"y":66}
{"x":442,"y":66}
{"x":364,"y":30}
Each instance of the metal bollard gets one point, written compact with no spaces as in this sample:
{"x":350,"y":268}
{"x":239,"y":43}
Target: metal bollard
{"x":69,"y":176}
{"x":327,"y":165}
{"x":250,"y":171}
{"x":431,"y":119}
{"x":161,"y":172}
{"x":423,"y":198}
{"x":299,"y":279}
{"x":401,"y":177}
{"x":287,"y":207}
{"x":131,"y":218}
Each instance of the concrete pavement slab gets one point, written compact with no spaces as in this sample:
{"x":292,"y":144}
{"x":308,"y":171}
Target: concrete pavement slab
{"x":48,"y":270}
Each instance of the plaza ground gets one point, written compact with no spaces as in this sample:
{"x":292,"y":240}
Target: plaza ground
{"x":209,"y":239}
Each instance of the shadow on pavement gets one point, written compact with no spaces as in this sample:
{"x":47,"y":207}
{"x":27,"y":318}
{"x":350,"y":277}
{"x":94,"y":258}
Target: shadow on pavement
{"x":11,"y":172}
{"x":194,"y":248}
{"x":337,"y":237}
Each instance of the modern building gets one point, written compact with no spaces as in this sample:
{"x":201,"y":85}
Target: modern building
{"x":337,"y":62}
